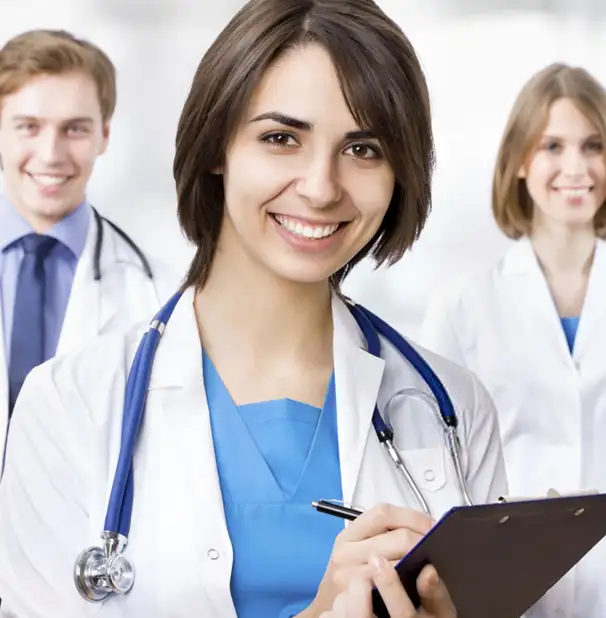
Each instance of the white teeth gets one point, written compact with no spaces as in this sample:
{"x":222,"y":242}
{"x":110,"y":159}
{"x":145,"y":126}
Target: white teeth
{"x":49,"y":181}
{"x":574,"y":192}
{"x":306,"y":231}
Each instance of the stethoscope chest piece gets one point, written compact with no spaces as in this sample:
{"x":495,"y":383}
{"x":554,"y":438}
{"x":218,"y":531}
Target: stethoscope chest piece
{"x":99,"y":572}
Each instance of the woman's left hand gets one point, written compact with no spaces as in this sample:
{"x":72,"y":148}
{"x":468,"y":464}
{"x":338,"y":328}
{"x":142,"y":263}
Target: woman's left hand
{"x":356,"y":602}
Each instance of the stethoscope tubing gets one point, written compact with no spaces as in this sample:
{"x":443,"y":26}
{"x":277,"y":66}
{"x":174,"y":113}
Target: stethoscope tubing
{"x":125,"y":237}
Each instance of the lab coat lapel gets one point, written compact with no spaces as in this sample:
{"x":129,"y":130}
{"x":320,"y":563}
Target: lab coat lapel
{"x":111,"y":256}
{"x":358,"y":376}
{"x":535,"y":304}
{"x":82,"y":313}
{"x":91,"y":304}
{"x":594,"y":307}
{"x":177,"y":381}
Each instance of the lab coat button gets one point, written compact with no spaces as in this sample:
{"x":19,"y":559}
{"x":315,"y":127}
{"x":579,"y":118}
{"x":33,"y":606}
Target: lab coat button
{"x":213,"y":554}
{"x":430,"y":475}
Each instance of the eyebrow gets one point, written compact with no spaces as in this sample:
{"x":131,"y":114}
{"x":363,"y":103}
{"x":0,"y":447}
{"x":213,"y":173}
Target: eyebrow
{"x":304,"y":125}
{"x":80,"y":119}
{"x":560,"y":138}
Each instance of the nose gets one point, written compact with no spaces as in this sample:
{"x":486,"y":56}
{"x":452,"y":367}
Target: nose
{"x":50,"y":148}
{"x":574,"y":164}
{"x":319,"y":181}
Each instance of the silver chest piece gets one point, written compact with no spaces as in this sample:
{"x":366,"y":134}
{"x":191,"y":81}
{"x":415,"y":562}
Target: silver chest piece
{"x":100,"y":572}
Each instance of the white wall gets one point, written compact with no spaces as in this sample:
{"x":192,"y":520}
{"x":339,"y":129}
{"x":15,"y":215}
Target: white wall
{"x":476,"y":59}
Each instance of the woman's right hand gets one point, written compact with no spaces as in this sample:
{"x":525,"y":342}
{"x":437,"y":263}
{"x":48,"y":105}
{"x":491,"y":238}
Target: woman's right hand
{"x":356,"y":601}
{"x":385,"y":531}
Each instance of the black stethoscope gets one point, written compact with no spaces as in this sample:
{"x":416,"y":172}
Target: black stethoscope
{"x":105,"y":570}
{"x":124,"y":236}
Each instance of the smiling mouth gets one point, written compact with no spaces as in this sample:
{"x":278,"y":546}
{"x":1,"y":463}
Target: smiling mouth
{"x":49,"y":180}
{"x":307,"y":230}
{"x":573,"y":192}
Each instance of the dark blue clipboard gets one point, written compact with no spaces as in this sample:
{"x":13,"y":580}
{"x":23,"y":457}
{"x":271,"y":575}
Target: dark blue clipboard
{"x":497,"y":560}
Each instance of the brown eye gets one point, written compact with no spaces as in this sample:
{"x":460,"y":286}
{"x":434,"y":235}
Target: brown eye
{"x":363,"y":151}
{"x":279,"y":139}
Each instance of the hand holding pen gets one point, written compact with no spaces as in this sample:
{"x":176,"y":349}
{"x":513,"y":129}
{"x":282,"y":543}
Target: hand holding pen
{"x":365,"y":548}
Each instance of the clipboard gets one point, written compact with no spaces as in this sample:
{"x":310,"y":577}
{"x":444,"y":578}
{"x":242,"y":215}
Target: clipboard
{"x":498,"y":559}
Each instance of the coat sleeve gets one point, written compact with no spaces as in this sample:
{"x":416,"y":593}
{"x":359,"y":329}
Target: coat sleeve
{"x":43,"y":493}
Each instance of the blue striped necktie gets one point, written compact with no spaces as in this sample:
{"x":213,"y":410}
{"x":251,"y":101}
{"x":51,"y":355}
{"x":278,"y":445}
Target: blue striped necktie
{"x":27,"y":338}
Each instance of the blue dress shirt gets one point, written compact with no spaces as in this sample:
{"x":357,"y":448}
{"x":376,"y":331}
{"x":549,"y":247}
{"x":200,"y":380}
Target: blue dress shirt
{"x":71,"y":233}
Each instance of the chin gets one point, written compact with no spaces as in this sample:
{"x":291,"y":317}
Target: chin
{"x":578,"y":222}
{"x":305,"y":275}
{"x":51,"y":211}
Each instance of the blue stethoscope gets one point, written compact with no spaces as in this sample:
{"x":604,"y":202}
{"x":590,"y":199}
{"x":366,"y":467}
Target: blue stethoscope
{"x":101,"y":571}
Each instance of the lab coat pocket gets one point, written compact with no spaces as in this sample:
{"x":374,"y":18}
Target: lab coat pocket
{"x":427,"y":467}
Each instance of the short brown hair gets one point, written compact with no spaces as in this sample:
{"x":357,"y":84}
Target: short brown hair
{"x":383,"y":84}
{"x":52,"y":52}
{"x":511,"y":203}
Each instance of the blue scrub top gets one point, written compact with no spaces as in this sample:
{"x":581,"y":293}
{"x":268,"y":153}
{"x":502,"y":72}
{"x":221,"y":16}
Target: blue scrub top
{"x":274,"y":459}
{"x":570,"y":326}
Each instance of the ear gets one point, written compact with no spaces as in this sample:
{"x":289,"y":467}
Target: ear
{"x":105,"y":132}
{"x":522,"y":172}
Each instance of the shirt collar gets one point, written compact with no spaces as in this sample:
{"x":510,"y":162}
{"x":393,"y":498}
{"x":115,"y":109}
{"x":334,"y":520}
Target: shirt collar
{"x":71,"y":231}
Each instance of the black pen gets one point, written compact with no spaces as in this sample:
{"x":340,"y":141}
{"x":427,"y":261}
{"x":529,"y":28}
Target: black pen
{"x":336,"y":509}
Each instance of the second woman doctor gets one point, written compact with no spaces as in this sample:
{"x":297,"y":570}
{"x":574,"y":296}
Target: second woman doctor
{"x":533,"y":325}
{"x":304,"y":145}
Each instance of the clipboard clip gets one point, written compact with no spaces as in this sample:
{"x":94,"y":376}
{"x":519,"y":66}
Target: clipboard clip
{"x":551,"y":493}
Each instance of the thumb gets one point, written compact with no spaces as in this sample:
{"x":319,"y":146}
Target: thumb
{"x":435,"y":598}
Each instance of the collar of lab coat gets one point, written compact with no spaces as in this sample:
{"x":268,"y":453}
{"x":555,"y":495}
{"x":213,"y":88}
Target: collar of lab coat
{"x":92,"y":304}
{"x":178,"y":360}
{"x":521,"y":259}
{"x":358,"y":375}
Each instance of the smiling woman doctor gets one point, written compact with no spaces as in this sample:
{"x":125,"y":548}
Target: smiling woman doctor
{"x":533,"y":325}
{"x":304,"y":145}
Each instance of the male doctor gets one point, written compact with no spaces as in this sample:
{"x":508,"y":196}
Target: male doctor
{"x":66,"y":274}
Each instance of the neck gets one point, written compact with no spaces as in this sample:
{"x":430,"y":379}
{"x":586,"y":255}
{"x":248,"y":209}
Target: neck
{"x":564,"y":250}
{"x":246,"y":308}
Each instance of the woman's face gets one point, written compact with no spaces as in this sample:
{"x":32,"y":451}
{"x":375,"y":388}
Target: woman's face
{"x":566,"y":175}
{"x":306,"y":188}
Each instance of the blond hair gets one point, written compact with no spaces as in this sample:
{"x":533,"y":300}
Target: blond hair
{"x":512,"y":205}
{"x":53,"y":52}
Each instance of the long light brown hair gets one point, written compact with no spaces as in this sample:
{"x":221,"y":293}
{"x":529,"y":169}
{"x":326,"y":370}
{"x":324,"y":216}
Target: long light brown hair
{"x":512,"y":205}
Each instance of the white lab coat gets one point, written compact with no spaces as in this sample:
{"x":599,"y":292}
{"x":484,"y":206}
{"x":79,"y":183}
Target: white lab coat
{"x":53,"y":505}
{"x":502,"y":324}
{"x":123,"y":297}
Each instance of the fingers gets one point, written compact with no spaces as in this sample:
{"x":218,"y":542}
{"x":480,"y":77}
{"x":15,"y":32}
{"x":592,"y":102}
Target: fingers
{"x":393,"y":545}
{"x":355,"y":602}
{"x":386,"y":517}
{"x":434,"y":594}
{"x":386,"y":530}
{"x":391,"y":590}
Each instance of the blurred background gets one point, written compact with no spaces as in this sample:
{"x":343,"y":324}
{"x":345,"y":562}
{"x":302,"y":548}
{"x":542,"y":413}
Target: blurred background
{"x":476,"y":54}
